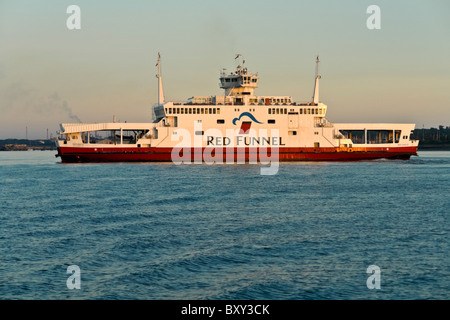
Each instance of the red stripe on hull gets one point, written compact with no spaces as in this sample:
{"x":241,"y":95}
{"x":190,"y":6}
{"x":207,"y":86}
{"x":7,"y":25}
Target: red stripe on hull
{"x":73,"y":154}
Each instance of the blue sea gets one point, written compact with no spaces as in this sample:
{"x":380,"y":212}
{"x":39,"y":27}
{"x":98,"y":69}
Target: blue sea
{"x":158,"y":231}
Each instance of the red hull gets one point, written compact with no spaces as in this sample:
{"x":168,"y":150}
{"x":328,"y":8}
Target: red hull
{"x":73,"y":154}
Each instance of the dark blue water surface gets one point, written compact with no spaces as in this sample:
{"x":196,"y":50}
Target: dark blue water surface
{"x":161,"y":231}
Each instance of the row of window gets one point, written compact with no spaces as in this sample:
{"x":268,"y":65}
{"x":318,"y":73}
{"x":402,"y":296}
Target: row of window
{"x":373,"y":136}
{"x":277,"y":111}
{"x":245,"y":80}
{"x":192,"y":110}
{"x":217,"y":110}
{"x":274,"y":100}
{"x":301,"y":111}
{"x":312,"y":111}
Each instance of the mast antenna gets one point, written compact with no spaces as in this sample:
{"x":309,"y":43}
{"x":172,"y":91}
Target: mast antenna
{"x":316,"y":85}
{"x":160,"y":86}
{"x":240,"y":67}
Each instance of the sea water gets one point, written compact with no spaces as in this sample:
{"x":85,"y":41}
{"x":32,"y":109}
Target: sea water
{"x":161,"y":231}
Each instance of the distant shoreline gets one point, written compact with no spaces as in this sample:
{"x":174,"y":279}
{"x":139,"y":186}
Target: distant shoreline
{"x":434,"y":148}
{"x":27,"y":144}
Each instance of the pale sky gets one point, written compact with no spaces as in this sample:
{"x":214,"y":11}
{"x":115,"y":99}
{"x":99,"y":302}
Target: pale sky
{"x":50,"y":74}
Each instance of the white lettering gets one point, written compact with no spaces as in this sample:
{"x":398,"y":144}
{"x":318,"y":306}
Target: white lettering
{"x":198,"y":310}
{"x":374,"y":281}
{"x":272,"y":159}
{"x":246,"y":309}
{"x":74,"y":281}
{"x":181,"y":153}
{"x":374,"y":21}
{"x":74,"y":21}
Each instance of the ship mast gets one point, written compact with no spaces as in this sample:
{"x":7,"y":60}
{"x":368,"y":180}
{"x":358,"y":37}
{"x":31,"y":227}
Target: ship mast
{"x":160,"y":86}
{"x":316,"y":85}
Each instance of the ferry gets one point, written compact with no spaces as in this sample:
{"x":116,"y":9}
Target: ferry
{"x":236,"y":126}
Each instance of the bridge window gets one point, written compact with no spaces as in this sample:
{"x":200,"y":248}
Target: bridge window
{"x":220,"y":121}
{"x":271,"y":121}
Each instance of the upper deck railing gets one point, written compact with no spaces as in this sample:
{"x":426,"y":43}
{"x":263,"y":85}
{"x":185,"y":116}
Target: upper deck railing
{"x":184,"y":103}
